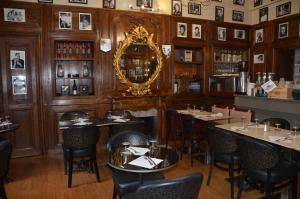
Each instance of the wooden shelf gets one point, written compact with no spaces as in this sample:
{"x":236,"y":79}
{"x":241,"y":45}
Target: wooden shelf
{"x":73,"y":59}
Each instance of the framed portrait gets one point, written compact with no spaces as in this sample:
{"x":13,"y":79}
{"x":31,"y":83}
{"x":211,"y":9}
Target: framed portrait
{"x":19,"y":85}
{"x":78,"y":1}
{"x":188,"y":56}
{"x":219,"y":13}
{"x":14,"y":15}
{"x":83,"y":90}
{"x":65,"y":20}
{"x":85,"y":21}
{"x":176,"y":8}
{"x":258,"y":58}
{"x":145,"y":3}
{"x":194,"y":8}
{"x":263,"y":14}
{"x":259,"y":35}
{"x":257,"y":2}
{"x":196,"y":31}
{"x":109,"y":4}
{"x":237,"y":16}
{"x":221,"y":34}
{"x":105,"y":44}
{"x":65,"y":90}
{"x":239,"y":34}
{"x":45,"y":1}
{"x":239,"y":2}
{"x":283,"y":30}
{"x":283,"y":9}
{"x":166,"y":49}
{"x":182,"y":30}
{"x":17,"y":59}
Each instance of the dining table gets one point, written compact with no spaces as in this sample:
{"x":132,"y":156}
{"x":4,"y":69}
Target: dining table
{"x":205,"y":116}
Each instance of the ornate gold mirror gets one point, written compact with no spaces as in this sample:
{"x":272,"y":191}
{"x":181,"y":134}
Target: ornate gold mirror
{"x":138,"y":61}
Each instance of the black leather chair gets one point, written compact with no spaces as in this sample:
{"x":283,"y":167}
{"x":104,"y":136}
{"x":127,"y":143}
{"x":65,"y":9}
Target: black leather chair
{"x":223,"y":149}
{"x":125,"y":182}
{"x":5,"y":151}
{"x":186,"y":187}
{"x":172,"y":126}
{"x":284,"y":124}
{"x":264,"y":163}
{"x":71,"y":115}
{"x":80,"y":143}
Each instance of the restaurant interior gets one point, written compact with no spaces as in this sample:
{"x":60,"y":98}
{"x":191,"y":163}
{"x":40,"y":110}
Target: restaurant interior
{"x":137,"y":99}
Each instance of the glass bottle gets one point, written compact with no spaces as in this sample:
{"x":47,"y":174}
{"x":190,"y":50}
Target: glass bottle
{"x":89,"y":51}
{"x":83,"y":50}
{"x":85,"y":70}
{"x":258,"y":85}
{"x":70,"y":51}
{"x":64,"y":51}
{"x":58,"y":51}
{"x":74,"y":88}
{"x":229,"y":56}
{"x":76,"y":49}
{"x":60,"y":71}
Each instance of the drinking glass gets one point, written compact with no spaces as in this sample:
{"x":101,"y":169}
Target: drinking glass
{"x":188,"y":108}
{"x":243,"y":118}
{"x":202,"y":108}
{"x":194,"y":107}
{"x":294,"y":129}
{"x":256,"y":122}
{"x":153,"y":147}
{"x":277,"y":126}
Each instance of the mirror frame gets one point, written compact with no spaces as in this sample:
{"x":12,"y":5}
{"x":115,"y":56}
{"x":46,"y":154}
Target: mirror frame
{"x":137,"y":34}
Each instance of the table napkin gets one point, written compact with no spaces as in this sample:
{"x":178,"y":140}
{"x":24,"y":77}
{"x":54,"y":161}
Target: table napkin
{"x":238,"y":128}
{"x":83,"y":123}
{"x":115,"y":117}
{"x":216,"y":114}
{"x":279,"y":139}
{"x":121,"y":120}
{"x":138,"y":150}
{"x":143,"y":162}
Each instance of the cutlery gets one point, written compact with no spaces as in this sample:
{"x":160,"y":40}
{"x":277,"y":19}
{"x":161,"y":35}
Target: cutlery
{"x":150,"y":160}
{"x":282,"y":139}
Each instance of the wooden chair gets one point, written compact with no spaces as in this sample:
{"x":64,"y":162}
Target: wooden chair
{"x":224,"y":111}
{"x":236,"y":115}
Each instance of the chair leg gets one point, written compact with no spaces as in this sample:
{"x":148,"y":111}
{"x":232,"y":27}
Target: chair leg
{"x":192,"y":150}
{"x":211,"y":166}
{"x":241,"y":186}
{"x":231,"y":178}
{"x":268,"y":190}
{"x":182,"y":148}
{"x":96,"y":168}
{"x":70,"y":172}
{"x":2,"y":190}
{"x":294,"y":187}
{"x":114,"y":193}
{"x":65,"y":166}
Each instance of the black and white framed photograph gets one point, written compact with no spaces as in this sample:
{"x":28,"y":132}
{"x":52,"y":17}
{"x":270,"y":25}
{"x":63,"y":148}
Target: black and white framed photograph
{"x":65,"y":20}
{"x":239,"y":34}
{"x":283,"y":30}
{"x":109,"y":4}
{"x":85,"y":21}
{"x":14,"y":15}
{"x":176,"y":8}
{"x":196,"y":31}
{"x":258,"y":58}
{"x":219,"y":13}
{"x":237,"y":16}
{"x":145,"y":3}
{"x":283,"y":9}
{"x":45,"y":1}
{"x":65,"y":90}
{"x":166,"y":49}
{"x":258,"y":2}
{"x":19,"y":85}
{"x":188,"y":56}
{"x":263,"y":14}
{"x":79,"y":1}
{"x":194,"y":8}
{"x":181,"y":29}
{"x":221,"y":34}
{"x":259,"y":35}
{"x":17,"y":59}
{"x":239,"y":2}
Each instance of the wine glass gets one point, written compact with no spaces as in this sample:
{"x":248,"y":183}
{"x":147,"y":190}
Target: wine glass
{"x":243,"y":118}
{"x":194,"y":107}
{"x":294,"y":129}
{"x":202,"y":108}
{"x":256,"y":121}
{"x":188,"y":108}
{"x":277,"y":126}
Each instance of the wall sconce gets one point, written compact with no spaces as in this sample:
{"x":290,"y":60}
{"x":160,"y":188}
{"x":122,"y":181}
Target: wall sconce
{"x":143,"y":8}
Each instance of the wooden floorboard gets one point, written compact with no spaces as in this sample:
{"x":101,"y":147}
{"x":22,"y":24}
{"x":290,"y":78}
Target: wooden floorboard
{"x":43,"y":177}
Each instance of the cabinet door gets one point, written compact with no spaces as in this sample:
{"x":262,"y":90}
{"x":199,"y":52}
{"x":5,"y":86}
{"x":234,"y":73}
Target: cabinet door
{"x":19,"y":84}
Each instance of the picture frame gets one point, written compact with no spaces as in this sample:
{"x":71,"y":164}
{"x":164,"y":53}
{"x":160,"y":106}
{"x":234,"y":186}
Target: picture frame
{"x":239,"y":34}
{"x":45,"y":1}
{"x":283,"y":30}
{"x":17,"y":59}
{"x":258,"y":2}
{"x":14,"y":15}
{"x":65,"y":90}
{"x":181,"y":29}
{"x":196,"y":31}
{"x":166,"y":49}
{"x":283,"y":9}
{"x":85,"y":21}
{"x":65,"y":20}
{"x":176,"y":7}
{"x":237,"y":16}
{"x":259,"y":35}
{"x":83,"y":90}
{"x":145,"y":3}
{"x":194,"y":8}
{"x":239,"y":2}
{"x":188,"y":55}
{"x":109,"y":4}
{"x":219,"y":13}
{"x":221,"y":31}
{"x":263,"y":14}
{"x":258,"y":58}
{"x":19,"y":85}
{"x":79,"y":1}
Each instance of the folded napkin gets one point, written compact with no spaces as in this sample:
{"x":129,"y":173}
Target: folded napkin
{"x":80,"y":120}
{"x":83,"y":123}
{"x":138,"y":150}
{"x":5,"y":123}
{"x":115,"y":117}
{"x":238,"y":128}
{"x":144,"y":162}
{"x":279,"y":139}
{"x":121,"y":120}
{"x":216,"y":114}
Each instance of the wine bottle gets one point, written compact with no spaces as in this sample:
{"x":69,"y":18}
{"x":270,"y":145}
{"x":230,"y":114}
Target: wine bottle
{"x":74,"y":89}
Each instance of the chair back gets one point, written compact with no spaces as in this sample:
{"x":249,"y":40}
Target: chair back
{"x":186,"y":187}
{"x":79,"y":138}
{"x":236,"y":115}
{"x":224,"y":111}
{"x":5,"y":151}
{"x":257,"y":155}
{"x":133,"y":137}
{"x":172,"y":122}
{"x":187,"y":125}
{"x":72,"y":115}
{"x":221,"y":142}
{"x":284,"y":124}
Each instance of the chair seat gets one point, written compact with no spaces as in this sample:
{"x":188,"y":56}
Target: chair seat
{"x":78,"y":152}
{"x":226,"y":158}
{"x":126,"y":182}
{"x":283,"y":171}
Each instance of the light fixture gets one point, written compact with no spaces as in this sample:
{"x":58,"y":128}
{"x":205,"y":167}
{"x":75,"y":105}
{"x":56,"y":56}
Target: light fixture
{"x":143,"y":8}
